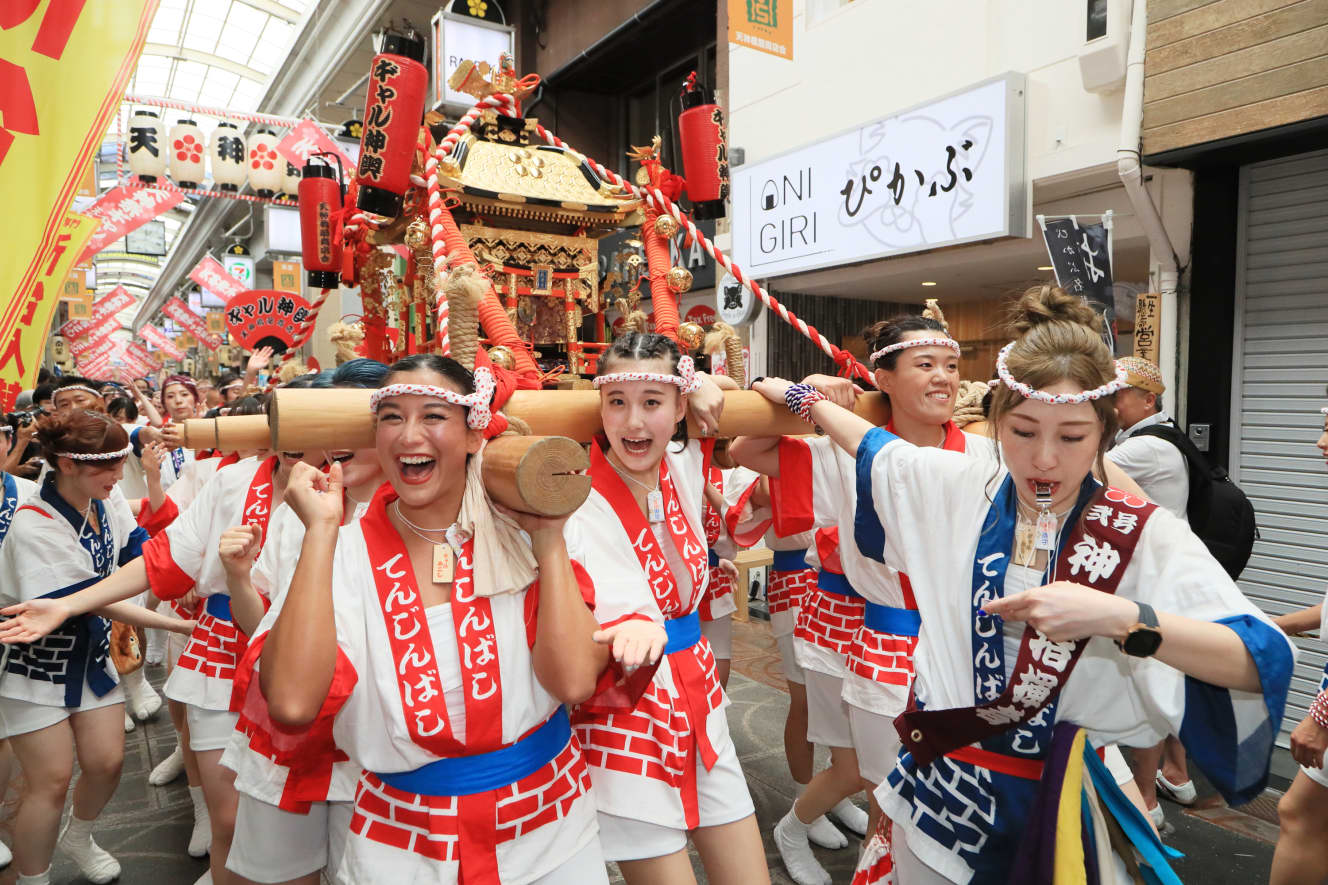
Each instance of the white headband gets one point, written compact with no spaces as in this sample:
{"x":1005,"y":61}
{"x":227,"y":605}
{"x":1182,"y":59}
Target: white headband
{"x":477,"y":402}
{"x":916,"y":342}
{"x":1324,"y":411}
{"x":83,"y":387}
{"x":1118,"y":383}
{"x":95,"y":456}
{"x":238,"y":382}
{"x":686,"y":380}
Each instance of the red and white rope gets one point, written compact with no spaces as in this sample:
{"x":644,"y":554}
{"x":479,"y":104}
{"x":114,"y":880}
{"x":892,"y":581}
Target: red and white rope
{"x":119,"y":148}
{"x":221,"y":113}
{"x":159,"y":184}
{"x":306,"y":329}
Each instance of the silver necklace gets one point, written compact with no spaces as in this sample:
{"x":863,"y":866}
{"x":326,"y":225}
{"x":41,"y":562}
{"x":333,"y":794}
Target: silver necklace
{"x":654,"y":497}
{"x":442,"y":550}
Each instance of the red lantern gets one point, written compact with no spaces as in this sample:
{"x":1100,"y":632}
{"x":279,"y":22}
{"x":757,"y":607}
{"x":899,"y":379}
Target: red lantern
{"x":705,"y":156}
{"x":320,"y":200}
{"x":393,"y":113}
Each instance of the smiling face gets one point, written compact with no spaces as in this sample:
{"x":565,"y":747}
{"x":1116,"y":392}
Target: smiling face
{"x":423,"y":442}
{"x":1054,"y":444}
{"x":640,"y":417}
{"x":924,"y":381}
{"x":179,"y":402}
{"x":358,"y":466}
{"x":94,"y":479}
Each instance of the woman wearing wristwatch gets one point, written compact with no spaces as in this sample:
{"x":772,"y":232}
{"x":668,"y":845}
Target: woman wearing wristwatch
{"x":1047,"y":608}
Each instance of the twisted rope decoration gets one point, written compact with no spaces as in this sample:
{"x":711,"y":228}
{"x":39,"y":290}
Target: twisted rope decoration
{"x":305,"y":331}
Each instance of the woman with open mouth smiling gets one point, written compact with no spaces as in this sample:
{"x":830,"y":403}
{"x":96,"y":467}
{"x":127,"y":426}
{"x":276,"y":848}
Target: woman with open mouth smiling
{"x":1042,"y":595}
{"x":279,"y":838}
{"x":641,"y":538}
{"x":436,"y":640}
{"x":183,"y":558}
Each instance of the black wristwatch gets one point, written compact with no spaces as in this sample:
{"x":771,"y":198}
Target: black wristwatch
{"x":1144,"y":638}
{"x":752,"y":384}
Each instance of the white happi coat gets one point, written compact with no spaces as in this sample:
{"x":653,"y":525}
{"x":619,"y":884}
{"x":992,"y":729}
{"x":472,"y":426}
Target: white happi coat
{"x":598,"y":541}
{"x":258,"y":774}
{"x":40,"y":554}
{"x":932,"y":505}
{"x":542,"y":821}
{"x":184,"y":557}
{"x":877,"y":669}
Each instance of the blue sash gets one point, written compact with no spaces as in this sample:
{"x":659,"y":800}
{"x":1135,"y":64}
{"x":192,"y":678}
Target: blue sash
{"x":177,"y":461}
{"x":837,"y":584}
{"x":713,"y":558}
{"x":888,"y":619}
{"x":790,"y":560}
{"x":463,"y":775}
{"x":8,"y":503}
{"x":1031,"y":739}
{"x":683,"y":632}
{"x":219,"y":606}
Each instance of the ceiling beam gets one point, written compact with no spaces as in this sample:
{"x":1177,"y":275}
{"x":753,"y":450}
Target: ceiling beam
{"x":166,"y":50}
{"x":330,"y":35}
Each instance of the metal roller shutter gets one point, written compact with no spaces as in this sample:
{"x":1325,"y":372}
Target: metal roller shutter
{"x":1278,"y":382}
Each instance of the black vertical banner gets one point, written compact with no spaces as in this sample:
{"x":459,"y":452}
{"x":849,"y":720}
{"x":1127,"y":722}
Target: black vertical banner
{"x":1081,"y":256}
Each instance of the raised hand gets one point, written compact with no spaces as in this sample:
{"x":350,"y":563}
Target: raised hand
{"x":316,"y":498}
{"x":238,"y":549}
{"x":706,"y":404}
{"x":258,"y":360}
{"x":31,"y":620}
{"x":634,"y":642}
{"x":154,"y":454}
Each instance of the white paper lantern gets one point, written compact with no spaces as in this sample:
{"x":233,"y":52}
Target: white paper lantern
{"x":290,"y":182}
{"x":227,"y":154}
{"x":187,"y":149}
{"x":266,"y":167}
{"x":147,"y":146}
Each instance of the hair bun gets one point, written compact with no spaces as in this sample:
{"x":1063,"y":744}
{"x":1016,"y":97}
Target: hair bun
{"x":1052,"y":304}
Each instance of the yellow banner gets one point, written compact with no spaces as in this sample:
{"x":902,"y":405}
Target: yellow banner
{"x":763,"y":25}
{"x":21,"y":351}
{"x":53,"y":58}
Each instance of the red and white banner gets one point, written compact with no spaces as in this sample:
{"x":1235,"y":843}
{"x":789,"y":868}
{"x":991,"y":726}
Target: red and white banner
{"x":158,"y":339}
{"x":109,"y":304}
{"x":307,"y":139}
{"x":124,"y":209}
{"x":85,"y":341}
{"x":102,"y":350}
{"x":135,"y":354}
{"x":190,"y":322}
{"x":209,"y":274}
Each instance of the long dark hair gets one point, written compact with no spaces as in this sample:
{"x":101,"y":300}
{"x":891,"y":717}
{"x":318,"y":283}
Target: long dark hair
{"x":892,"y":331}
{"x":645,"y":346}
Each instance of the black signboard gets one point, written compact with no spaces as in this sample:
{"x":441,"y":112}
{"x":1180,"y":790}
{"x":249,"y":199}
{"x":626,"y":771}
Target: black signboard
{"x":1081,"y":256}
{"x":615,"y":249}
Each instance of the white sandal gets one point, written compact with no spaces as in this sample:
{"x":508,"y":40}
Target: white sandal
{"x":1181,"y":794}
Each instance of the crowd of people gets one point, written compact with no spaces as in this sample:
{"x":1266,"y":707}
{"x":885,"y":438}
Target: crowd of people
{"x":377,"y":673}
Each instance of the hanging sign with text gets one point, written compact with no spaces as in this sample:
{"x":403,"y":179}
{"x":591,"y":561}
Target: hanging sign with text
{"x":158,"y":340}
{"x":947,"y":172}
{"x":124,"y":209}
{"x":209,"y":274}
{"x":306,"y":139}
{"x":109,"y":304}
{"x":191,"y":322}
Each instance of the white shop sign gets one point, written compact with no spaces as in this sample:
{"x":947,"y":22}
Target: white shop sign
{"x":947,"y":172}
{"x":458,"y":38}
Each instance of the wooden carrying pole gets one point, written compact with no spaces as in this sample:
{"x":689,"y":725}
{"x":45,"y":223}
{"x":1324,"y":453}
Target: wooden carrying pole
{"x":536,"y":474}
{"x":340,"y":419}
{"x":229,"y":433}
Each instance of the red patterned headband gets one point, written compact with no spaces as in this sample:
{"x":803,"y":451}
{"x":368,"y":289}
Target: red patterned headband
{"x":478,"y":402}
{"x":686,"y":380}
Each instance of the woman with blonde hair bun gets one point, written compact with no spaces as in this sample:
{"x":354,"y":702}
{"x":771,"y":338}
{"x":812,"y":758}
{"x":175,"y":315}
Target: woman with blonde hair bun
{"x":1049,"y":626}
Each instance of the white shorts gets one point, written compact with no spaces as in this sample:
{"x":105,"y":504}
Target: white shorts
{"x":721,"y":798}
{"x":793,"y":671}
{"x":1318,"y":775}
{"x":827,"y":711}
{"x":209,"y":729}
{"x":875,"y":741}
{"x":175,"y":646}
{"x":272,"y":845}
{"x":720,"y":633}
{"x":23,"y":717}
{"x":586,"y":867}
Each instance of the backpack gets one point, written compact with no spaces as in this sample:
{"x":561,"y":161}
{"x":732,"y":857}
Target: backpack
{"x":1219,"y":512}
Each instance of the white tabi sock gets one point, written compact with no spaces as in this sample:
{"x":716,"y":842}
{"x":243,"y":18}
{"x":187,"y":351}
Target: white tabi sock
{"x":156,"y":646}
{"x":6,"y":858}
{"x":39,"y":879}
{"x":129,"y":722}
{"x":200,"y":840}
{"x":796,"y":852}
{"x":76,"y":841}
{"x":168,"y":769}
{"x":205,"y":879}
{"x":142,"y":697}
{"x":850,"y":816}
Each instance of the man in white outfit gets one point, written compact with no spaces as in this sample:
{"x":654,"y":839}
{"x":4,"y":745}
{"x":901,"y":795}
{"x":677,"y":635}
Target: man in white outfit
{"x":1160,"y":470}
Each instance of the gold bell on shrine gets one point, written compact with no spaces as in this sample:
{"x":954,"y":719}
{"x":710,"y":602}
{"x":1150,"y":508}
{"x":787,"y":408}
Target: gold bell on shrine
{"x":679,"y":279}
{"x":666,"y":226}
